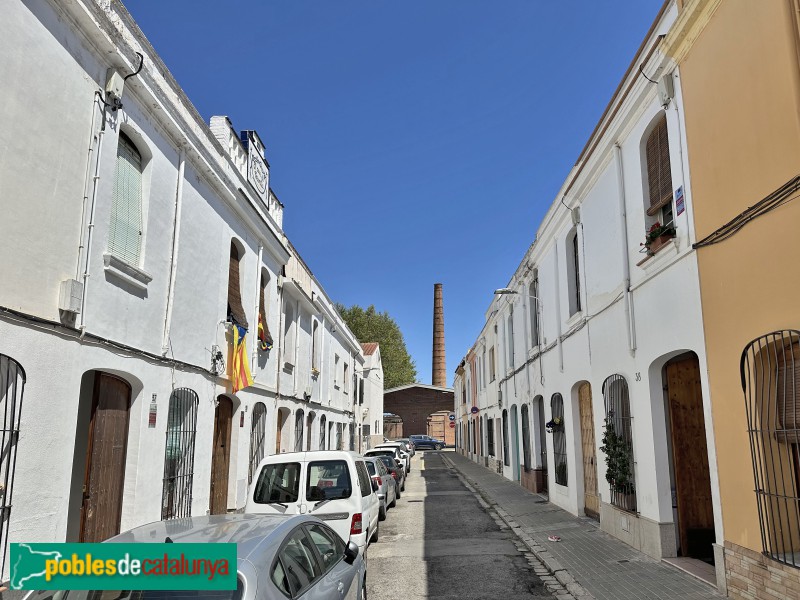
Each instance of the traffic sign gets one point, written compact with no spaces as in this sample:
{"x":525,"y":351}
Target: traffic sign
{"x":452,"y":425}
{"x":452,"y":417}
{"x":474,"y":410}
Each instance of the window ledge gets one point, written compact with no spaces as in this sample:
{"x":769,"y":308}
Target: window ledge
{"x":134,"y":276}
{"x":663,"y":255}
{"x":574,"y":319}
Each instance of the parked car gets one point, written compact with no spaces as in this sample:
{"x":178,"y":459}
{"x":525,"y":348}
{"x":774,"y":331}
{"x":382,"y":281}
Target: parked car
{"x":278,"y":557}
{"x":392,"y":451}
{"x":387,"y":486}
{"x":405,"y":453}
{"x":426,"y":441}
{"x":409,"y":444}
{"x":396,"y":471}
{"x":333,"y":485}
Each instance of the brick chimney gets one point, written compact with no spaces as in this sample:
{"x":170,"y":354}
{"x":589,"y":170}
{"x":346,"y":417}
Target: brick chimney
{"x":439,"y":366}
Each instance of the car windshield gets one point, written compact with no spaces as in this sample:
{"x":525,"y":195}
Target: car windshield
{"x":371,"y":468}
{"x":388,"y":461}
{"x":277,"y":483}
{"x":140,"y":594}
{"x":380,"y":453}
{"x":328,"y":480}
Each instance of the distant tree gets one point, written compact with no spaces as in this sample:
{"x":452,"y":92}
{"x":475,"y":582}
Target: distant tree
{"x":368,"y":325}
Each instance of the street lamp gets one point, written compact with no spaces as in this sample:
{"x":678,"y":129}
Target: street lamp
{"x":508,"y":291}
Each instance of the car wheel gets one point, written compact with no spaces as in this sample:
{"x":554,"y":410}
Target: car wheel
{"x":402,"y":487}
{"x":438,"y":446}
{"x":394,"y":499}
{"x":363,"y":595}
{"x":382,"y":513}
{"x":397,"y":494}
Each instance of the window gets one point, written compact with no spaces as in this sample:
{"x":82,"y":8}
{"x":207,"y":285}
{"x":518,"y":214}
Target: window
{"x":309,"y":425}
{"x":257,"y":438}
{"x":339,"y":445}
{"x":506,"y":458}
{"x":526,"y":437}
{"x":278,"y":483}
{"x":315,"y":347}
{"x":288,"y":332}
{"x":510,"y":336}
{"x":492,"y":373}
{"x":770,"y":370}
{"x":533,"y":291}
{"x":298,"y":431}
{"x":328,"y":480}
{"x":176,"y":497}
{"x":125,"y":232}
{"x":345,"y":381}
{"x":299,"y":562}
{"x":659,"y":173}
{"x":336,"y":370}
{"x":619,"y":424}
{"x":573,"y":272}
{"x":364,"y":482}
{"x":490,"y":436}
{"x":329,"y":545}
{"x":264,"y":336}
{"x":559,"y":438}
{"x":235,"y":310}
{"x":322,"y":431}
{"x":483,"y":369}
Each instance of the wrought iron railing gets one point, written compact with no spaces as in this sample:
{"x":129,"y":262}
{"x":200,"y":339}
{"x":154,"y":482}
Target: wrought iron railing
{"x":176,"y":497}
{"x":620,"y":459}
{"x":12,"y":385}
{"x":559,"y":439}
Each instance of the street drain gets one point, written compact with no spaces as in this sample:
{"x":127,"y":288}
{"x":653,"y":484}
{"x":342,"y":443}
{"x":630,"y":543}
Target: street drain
{"x":541,"y":501}
{"x":414,"y":500}
{"x":623,"y":561}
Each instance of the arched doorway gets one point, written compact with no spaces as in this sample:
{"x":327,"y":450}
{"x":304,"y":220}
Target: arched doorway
{"x":104,"y":474}
{"x":298,"y":431}
{"x":309,"y":425}
{"x":283,"y":415}
{"x":515,"y":474}
{"x":591,"y":500}
{"x":221,"y":456}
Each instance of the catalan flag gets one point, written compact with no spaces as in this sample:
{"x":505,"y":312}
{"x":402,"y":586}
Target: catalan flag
{"x":240,"y":369}
{"x":264,"y":337}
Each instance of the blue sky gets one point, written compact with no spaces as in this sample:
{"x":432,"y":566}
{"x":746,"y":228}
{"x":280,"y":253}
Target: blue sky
{"x":410,"y":142}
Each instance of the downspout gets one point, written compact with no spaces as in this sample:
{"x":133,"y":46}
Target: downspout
{"x":93,"y":139}
{"x":279,"y":333}
{"x":626,"y":263}
{"x":558,"y":315}
{"x":89,"y":236}
{"x":176,"y":231}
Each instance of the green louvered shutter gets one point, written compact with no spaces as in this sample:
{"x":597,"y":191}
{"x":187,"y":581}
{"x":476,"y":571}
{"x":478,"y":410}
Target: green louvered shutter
{"x":125,"y":235}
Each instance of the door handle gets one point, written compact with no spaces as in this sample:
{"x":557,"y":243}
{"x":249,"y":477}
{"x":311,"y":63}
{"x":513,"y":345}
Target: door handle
{"x":340,"y":587}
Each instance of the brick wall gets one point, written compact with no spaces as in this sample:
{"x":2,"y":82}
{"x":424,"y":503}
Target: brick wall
{"x":752,"y":576}
{"x":415,"y":404}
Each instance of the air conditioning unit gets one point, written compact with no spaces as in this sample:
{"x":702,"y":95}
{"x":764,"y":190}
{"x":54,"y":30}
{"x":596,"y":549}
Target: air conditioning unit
{"x":666,"y":89}
{"x":69,"y":297}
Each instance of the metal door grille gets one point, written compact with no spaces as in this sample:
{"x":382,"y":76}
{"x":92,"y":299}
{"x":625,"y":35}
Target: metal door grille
{"x":526,"y":437}
{"x":506,"y":459}
{"x":298,"y":431}
{"x":323,"y":427}
{"x":258,"y":434}
{"x":770,"y":372}
{"x":352,"y":429}
{"x":559,"y":439}
{"x":176,"y":498}
{"x":12,"y":384}
{"x":309,"y":425}
{"x":619,"y":422}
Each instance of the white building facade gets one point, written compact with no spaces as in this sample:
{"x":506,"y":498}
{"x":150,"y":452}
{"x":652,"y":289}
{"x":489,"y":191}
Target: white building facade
{"x":372,"y":398}
{"x":130,"y":254}
{"x":596,"y":335}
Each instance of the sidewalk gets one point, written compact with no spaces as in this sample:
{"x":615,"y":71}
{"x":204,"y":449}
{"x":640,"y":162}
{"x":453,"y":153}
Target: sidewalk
{"x":605,"y":567}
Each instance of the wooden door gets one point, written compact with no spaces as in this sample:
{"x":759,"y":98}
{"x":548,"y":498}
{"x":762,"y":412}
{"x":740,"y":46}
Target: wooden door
{"x":591,"y":499}
{"x":221,"y":456}
{"x":281,"y":417}
{"x":104,"y":477}
{"x":690,"y":459}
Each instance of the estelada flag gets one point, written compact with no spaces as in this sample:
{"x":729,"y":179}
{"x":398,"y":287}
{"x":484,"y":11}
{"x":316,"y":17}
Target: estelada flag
{"x":240,"y":370}
{"x":264,"y":338}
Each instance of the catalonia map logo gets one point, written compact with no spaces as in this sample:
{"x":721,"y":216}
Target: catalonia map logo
{"x":123,"y":566}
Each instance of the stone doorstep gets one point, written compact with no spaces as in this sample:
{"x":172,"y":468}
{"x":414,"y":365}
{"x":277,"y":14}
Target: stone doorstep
{"x":563,"y":579}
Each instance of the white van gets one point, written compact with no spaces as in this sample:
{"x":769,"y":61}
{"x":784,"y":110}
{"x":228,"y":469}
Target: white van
{"x":332,"y":485}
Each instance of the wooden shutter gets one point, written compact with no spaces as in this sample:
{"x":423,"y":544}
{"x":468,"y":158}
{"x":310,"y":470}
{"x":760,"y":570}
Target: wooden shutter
{"x":235,"y":310}
{"x":262,"y":310}
{"x":125,"y":230}
{"x":659,"y":174}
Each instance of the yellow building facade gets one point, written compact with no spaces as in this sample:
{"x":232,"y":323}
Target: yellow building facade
{"x":739,"y":67}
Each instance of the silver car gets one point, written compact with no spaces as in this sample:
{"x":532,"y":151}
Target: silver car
{"x":387,"y":486}
{"x":278,"y":557}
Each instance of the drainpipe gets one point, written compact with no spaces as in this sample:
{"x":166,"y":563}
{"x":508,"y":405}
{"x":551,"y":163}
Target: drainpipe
{"x":176,"y":231}
{"x":93,"y":139}
{"x":558,"y":315}
{"x":626,"y":264}
{"x":89,"y":236}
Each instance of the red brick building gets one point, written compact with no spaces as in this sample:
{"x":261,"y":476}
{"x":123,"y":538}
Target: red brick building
{"x":414,"y":403}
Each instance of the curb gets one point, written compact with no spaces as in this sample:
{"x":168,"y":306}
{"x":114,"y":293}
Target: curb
{"x":559,"y":581}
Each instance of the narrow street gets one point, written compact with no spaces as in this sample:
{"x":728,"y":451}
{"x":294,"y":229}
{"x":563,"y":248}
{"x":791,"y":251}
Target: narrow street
{"x":439,"y":542}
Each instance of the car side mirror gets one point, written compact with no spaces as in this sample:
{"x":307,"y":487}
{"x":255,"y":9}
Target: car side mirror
{"x":350,"y":553}
{"x":374,"y":485}
{"x":398,"y":462}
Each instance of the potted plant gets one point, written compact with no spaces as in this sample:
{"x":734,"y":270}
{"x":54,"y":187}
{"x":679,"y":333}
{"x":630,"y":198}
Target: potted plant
{"x":657,"y":236}
{"x":554,"y":424}
{"x":619,"y":473}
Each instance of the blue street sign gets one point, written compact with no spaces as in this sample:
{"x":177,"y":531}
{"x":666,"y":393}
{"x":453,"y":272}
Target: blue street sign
{"x":452,"y":417}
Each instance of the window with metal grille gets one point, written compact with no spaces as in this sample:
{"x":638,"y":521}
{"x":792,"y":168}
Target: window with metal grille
{"x":235,"y":311}
{"x":176,"y":497}
{"x":533,"y":292}
{"x":506,"y":458}
{"x":618,"y":443}
{"x":659,"y":174}
{"x":322,"y":431}
{"x":298,"y":431}
{"x":309,"y":425}
{"x":258,"y":434}
{"x":315,"y":347}
{"x":12,"y":384}
{"x":526,"y":437}
{"x":339,"y":445}
{"x":559,"y":439}
{"x":492,"y":367}
{"x":573,"y":272}
{"x":289,"y":332}
{"x":490,"y":436}
{"x":125,"y":232}
{"x":770,"y":372}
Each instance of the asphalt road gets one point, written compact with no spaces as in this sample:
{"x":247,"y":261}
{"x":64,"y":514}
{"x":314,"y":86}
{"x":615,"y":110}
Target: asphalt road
{"x":440,"y":543}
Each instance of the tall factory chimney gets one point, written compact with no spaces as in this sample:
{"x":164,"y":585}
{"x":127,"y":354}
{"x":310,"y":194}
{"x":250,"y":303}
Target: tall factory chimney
{"x":439,"y":366}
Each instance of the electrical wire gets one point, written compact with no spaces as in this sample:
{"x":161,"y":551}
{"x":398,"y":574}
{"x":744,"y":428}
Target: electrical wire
{"x":786,"y":193}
